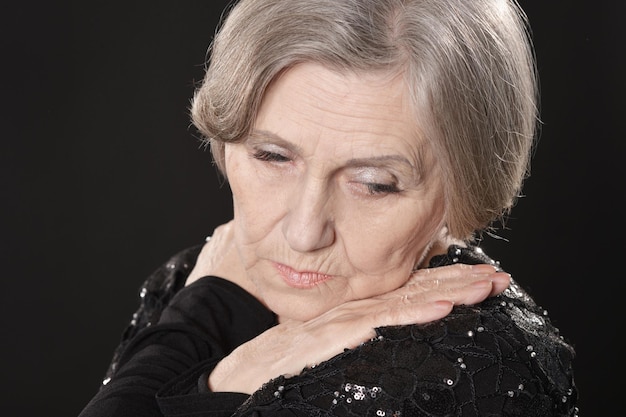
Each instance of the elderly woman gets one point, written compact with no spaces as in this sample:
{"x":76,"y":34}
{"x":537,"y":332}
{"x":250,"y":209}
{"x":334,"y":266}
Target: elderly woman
{"x":366,"y":143}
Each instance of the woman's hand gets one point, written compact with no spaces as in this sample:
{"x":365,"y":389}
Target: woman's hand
{"x":291,"y":346}
{"x":218,"y":256}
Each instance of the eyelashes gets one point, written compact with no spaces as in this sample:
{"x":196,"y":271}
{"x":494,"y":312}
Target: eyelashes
{"x":375,"y":188}
{"x":267,"y":156}
{"x":366,"y":187}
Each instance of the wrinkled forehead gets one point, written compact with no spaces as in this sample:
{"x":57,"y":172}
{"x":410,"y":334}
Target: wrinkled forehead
{"x":364,"y":108}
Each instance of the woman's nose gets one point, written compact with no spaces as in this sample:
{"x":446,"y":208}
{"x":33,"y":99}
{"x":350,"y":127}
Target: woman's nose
{"x":309,"y":224}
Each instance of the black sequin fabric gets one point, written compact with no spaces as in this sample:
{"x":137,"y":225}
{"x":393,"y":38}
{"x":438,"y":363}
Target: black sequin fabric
{"x":502,"y":357}
{"x":155,"y":293}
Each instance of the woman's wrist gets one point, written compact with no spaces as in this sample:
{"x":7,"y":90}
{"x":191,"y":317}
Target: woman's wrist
{"x":236,"y":374}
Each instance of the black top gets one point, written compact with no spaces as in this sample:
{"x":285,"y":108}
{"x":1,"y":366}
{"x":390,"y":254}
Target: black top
{"x":499,"y":358}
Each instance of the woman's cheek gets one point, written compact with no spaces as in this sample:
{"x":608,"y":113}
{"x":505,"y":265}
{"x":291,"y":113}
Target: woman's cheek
{"x":373,"y":251}
{"x":394,"y":246}
{"x":259,"y":205}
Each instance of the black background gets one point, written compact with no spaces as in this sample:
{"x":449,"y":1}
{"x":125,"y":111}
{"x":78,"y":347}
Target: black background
{"x":103,"y":179}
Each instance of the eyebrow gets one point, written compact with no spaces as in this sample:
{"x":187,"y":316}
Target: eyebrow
{"x":258,"y":136}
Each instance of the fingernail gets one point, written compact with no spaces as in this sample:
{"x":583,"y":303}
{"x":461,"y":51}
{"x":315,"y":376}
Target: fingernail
{"x":501,"y":276}
{"x":483,"y":269}
{"x":443,"y":304}
{"x":481,"y":284}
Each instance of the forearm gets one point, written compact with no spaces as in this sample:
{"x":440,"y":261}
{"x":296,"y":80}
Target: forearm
{"x":156,"y":356}
{"x":202,"y":323}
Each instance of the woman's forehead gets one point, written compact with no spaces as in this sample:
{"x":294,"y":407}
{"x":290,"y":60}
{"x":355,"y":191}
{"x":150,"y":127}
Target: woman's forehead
{"x":310,"y":99}
{"x":341,"y":83}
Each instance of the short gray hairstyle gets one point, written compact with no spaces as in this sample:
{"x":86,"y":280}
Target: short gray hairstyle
{"x":469,"y":68}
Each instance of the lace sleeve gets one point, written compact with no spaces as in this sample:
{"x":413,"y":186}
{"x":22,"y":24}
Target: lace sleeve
{"x":501,"y":358}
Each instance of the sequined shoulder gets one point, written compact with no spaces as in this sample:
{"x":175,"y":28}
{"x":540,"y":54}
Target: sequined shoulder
{"x":502,"y":357}
{"x":154,"y":294}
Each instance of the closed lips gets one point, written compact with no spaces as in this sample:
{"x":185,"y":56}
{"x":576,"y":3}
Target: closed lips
{"x":299,"y":279}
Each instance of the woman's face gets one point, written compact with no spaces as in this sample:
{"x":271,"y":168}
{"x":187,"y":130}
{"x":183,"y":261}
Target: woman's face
{"x":336,"y":196}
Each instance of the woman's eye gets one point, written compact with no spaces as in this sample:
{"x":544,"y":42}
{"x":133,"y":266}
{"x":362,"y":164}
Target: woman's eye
{"x":374,"y":188}
{"x":268,"y":156}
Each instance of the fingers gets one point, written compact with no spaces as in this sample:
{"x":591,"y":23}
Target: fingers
{"x":451,"y":272}
{"x":412,"y":313}
{"x":473,"y":293}
{"x":459,"y":274}
{"x":470,"y":292}
{"x":214,"y":256}
{"x":456,"y":284}
{"x":426,"y":306}
{"x":500,"y":281}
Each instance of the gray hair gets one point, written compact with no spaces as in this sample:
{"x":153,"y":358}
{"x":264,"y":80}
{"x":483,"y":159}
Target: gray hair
{"x":468,"y":64}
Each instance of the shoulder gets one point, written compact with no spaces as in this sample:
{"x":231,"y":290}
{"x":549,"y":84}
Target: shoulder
{"x":154,"y":294}
{"x":501,"y":357}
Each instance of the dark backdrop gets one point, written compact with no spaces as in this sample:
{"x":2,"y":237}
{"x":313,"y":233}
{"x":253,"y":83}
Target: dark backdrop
{"x":103,"y":179}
